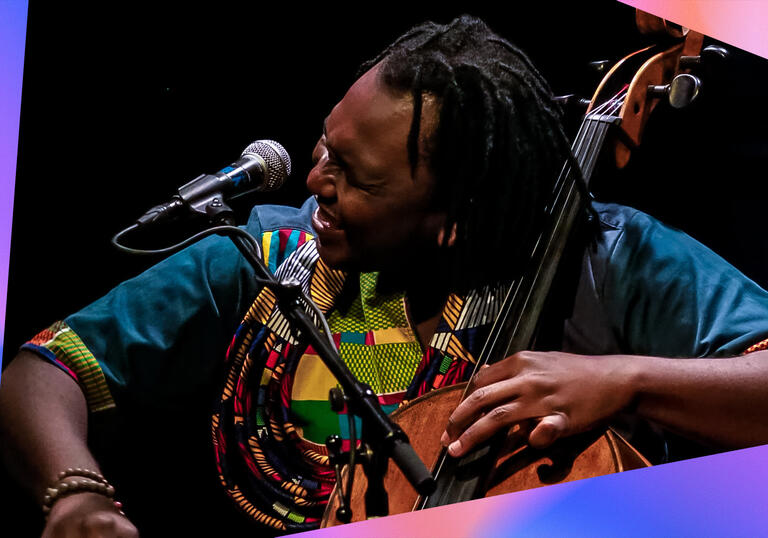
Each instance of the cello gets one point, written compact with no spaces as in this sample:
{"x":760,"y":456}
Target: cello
{"x":625,"y":99}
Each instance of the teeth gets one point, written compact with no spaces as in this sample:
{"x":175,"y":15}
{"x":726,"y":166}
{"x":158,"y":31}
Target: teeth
{"x":325,"y":217}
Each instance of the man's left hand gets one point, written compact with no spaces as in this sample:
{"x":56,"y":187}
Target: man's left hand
{"x":564,"y":394}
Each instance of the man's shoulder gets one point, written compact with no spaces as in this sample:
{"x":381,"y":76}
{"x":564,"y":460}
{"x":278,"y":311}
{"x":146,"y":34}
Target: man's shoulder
{"x":621,"y":217}
{"x":281,"y":229}
{"x":632,"y":228}
{"x":270,"y":218}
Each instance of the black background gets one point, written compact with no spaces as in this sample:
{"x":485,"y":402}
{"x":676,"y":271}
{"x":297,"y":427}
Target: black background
{"x":123,"y":103}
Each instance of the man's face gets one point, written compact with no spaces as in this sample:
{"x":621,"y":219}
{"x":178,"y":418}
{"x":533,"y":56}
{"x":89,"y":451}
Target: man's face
{"x":374,"y":212}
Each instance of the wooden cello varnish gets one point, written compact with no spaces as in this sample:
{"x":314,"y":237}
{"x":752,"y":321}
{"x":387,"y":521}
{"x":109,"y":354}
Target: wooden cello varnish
{"x":519,"y":467}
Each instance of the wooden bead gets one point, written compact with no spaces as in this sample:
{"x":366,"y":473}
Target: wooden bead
{"x":78,"y":480}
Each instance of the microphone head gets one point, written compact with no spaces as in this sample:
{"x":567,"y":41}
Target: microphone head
{"x":276,"y":159}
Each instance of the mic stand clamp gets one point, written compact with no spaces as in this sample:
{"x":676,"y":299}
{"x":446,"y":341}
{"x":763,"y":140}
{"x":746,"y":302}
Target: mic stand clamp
{"x":370,"y":454}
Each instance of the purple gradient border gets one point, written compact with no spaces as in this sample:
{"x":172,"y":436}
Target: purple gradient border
{"x":720,"y":495}
{"x":13,"y":29}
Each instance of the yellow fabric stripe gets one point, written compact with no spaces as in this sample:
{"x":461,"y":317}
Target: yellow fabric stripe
{"x":262,"y":306}
{"x":395,"y":335}
{"x":70,"y":350}
{"x":266,"y":241}
{"x":311,"y":367}
{"x":325,"y":286}
{"x":452,"y":310}
{"x":455,"y":349}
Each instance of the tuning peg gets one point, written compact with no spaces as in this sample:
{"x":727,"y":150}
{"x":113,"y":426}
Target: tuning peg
{"x":681,"y":91}
{"x":709,"y":53}
{"x":600,"y":66}
{"x":571,"y":100}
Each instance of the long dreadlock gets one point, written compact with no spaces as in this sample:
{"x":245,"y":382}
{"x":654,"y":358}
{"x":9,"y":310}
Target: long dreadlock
{"x":498,"y":146}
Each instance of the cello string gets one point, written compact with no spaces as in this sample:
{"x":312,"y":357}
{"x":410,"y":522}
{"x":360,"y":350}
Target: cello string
{"x":599,"y":124}
{"x":615,"y":105}
{"x":584,"y":136}
{"x":571,"y":197}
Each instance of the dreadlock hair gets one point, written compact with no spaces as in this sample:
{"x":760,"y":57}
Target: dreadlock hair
{"x":498,"y":145}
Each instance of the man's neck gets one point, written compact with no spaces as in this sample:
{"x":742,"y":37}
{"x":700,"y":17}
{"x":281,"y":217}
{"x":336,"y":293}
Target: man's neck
{"x":426,"y":294}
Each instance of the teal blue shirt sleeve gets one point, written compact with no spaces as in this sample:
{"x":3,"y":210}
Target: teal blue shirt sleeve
{"x":663,"y":293}
{"x":161,"y":336}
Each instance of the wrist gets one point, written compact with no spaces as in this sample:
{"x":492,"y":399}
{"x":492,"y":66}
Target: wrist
{"x":77,"y":482}
{"x":629,"y":375}
{"x":74,"y":502}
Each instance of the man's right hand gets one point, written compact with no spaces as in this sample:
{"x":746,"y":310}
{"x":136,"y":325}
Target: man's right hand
{"x":87,"y":515}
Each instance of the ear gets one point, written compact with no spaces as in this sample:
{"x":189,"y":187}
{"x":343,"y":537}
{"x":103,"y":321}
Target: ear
{"x":451,"y":238}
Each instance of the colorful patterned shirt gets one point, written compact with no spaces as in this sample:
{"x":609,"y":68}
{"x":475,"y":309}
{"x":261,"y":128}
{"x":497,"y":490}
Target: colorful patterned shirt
{"x":644,"y":289}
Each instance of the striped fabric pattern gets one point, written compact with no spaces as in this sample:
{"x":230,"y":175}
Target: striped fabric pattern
{"x":276,"y":243}
{"x":760,"y":346}
{"x":274,"y":407}
{"x":61,"y":345}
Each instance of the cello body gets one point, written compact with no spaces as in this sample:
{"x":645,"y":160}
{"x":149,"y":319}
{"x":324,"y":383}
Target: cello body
{"x":519,"y":467}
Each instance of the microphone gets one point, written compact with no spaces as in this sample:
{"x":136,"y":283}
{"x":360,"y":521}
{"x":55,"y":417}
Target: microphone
{"x":263,"y":166}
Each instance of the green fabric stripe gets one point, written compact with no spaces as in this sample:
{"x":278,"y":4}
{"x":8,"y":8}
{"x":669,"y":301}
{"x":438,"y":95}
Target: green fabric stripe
{"x":396,"y":364}
{"x":296,"y":518}
{"x":316,"y":419}
{"x":68,"y":348}
{"x":381,"y":311}
{"x":445,"y":364}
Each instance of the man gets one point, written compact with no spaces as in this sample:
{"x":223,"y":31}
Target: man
{"x":429,"y":182}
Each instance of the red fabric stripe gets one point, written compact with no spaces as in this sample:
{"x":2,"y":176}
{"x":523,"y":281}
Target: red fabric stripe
{"x":394,"y":398}
{"x":248,"y":461}
{"x":284,"y":235}
{"x":438,"y":381}
{"x":272,"y":360}
{"x":286,"y":385}
{"x":229,"y":348}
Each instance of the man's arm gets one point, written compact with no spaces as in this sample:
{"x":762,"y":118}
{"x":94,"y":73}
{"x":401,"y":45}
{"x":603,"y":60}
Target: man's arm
{"x":723,"y":401}
{"x":659,"y":293}
{"x":44,"y":425}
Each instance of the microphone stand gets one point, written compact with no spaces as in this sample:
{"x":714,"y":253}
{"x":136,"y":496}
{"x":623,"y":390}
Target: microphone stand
{"x":384,"y":439}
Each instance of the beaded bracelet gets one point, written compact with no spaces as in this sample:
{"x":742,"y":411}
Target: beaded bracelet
{"x":77,"y":480}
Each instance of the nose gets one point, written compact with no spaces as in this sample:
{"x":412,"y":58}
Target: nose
{"x":322,"y":182}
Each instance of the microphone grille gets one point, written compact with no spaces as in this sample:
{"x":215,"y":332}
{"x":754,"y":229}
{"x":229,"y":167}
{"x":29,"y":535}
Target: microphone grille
{"x":277,"y":160}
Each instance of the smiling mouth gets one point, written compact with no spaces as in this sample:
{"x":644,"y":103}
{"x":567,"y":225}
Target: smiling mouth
{"x":322,"y":221}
